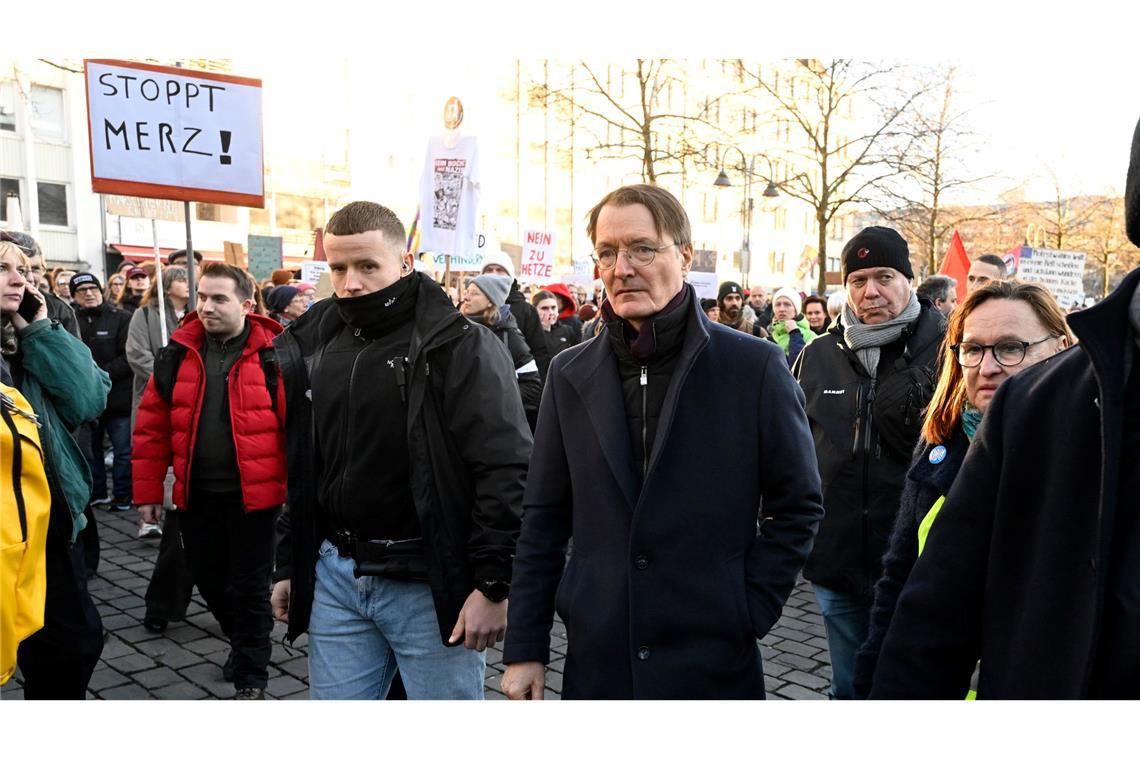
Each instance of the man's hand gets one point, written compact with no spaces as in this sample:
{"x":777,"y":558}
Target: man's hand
{"x":279,"y":600}
{"x":481,"y":622}
{"x":524,"y":680}
{"x":149,"y":513}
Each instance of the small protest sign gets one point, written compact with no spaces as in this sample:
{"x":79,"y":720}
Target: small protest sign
{"x":234,"y":254}
{"x":265,"y":255}
{"x":144,"y":208}
{"x":163,"y":132}
{"x":537,"y":265}
{"x":311,"y":271}
{"x":702,"y":275}
{"x":1062,"y":272}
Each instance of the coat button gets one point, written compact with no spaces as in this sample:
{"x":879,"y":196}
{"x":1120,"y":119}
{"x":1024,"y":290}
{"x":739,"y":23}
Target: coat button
{"x":643,"y":653}
{"x":641,"y":562}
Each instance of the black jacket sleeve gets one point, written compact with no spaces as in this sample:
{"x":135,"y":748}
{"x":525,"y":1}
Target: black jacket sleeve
{"x":792,"y":495}
{"x":117,"y":367}
{"x":532,"y":332}
{"x":934,"y":640}
{"x":484,"y":412}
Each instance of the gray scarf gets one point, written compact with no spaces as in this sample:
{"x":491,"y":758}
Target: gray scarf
{"x":867,"y":340}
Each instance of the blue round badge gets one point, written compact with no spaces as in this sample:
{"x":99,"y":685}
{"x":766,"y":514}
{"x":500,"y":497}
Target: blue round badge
{"x":937,"y":454}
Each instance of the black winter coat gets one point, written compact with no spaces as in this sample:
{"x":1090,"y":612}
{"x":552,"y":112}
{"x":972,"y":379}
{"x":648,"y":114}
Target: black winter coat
{"x":531,"y":328}
{"x":668,"y":588}
{"x":865,"y":431}
{"x":60,"y":311}
{"x":526,"y":369}
{"x":1015,"y":568}
{"x":926,"y":482}
{"x":468,"y":443}
{"x":104,"y":329}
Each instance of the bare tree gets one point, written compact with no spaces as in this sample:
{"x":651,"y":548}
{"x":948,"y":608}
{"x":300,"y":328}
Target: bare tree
{"x":841,"y":158}
{"x":648,"y":121}
{"x":1108,"y":248}
{"x":931,"y":171}
{"x":1066,"y":220}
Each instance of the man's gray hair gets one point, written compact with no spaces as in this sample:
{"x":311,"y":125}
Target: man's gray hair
{"x":937,"y":287}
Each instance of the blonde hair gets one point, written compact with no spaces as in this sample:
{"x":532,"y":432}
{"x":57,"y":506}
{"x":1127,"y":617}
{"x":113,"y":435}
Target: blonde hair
{"x":945,"y":410}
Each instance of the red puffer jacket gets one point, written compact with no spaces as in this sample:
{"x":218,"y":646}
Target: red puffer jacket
{"x":167,"y":431}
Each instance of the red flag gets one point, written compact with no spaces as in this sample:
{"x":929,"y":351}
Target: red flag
{"x":956,"y":264}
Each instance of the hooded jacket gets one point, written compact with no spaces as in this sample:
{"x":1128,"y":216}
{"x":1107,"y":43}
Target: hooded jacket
{"x":468,"y":445}
{"x":568,"y":315}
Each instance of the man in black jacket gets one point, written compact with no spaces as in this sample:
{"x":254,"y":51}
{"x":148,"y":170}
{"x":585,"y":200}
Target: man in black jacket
{"x":867,"y":381}
{"x":408,"y":450}
{"x":497,"y":262}
{"x":104,"y":330}
{"x":1033,"y":562}
{"x":685,"y":546}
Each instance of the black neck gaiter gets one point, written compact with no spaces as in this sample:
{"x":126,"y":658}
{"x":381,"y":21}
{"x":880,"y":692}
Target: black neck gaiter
{"x":377,"y":314}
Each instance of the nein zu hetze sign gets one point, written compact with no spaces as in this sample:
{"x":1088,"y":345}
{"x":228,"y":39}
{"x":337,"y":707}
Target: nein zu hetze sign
{"x":161,"y":132}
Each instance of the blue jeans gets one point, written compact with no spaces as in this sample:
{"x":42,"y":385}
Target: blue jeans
{"x":360,"y":629}
{"x":846,"y":617}
{"x":119,"y":429}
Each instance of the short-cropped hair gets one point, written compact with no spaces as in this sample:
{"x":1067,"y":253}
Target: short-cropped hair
{"x":364,"y":216}
{"x":669,"y":216}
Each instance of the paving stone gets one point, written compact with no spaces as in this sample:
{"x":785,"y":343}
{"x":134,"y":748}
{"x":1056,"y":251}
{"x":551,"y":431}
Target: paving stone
{"x":770,"y":640}
{"x":282,"y":686}
{"x":209,"y":677}
{"x":557,"y":664}
{"x":180,"y":690}
{"x":114,"y":647}
{"x":142,"y":567}
{"x":179,"y":658}
{"x":797,"y":648}
{"x":12,"y":695}
{"x":491,"y":695}
{"x":554,"y":680}
{"x":298,"y":668}
{"x":126,"y":691}
{"x":184,"y":634}
{"x":132,"y":663}
{"x":547,"y":694}
{"x":795,"y":691}
{"x":157,"y":678}
{"x":795,"y":661}
{"x":299,"y":695}
{"x":819,"y":642}
{"x":136,"y":634}
{"x":808,"y":680}
{"x":119,"y":622}
{"x":494,"y":656}
{"x":117,"y":575}
{"x":135,"y":582}
{"x":790,"y":634}
{"x":106,"y":679}
{"x":775,"y":669}
{"x":771,"y":684}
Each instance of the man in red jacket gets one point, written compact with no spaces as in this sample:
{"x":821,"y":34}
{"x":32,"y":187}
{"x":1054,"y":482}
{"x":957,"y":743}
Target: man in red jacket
{"x":214,"y":408}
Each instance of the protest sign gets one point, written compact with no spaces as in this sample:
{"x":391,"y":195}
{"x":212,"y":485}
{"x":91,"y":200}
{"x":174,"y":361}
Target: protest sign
{"x":1061,"y":272}
{"x":162,"y":132}
{"x":234,"y":254}
{"x":311,"y":270}
{"x":265,"y":255}
{"x":582,"y":272}
{"x":537,"y":265}
{"x":144,"y":208}
{"x":702,"y":275}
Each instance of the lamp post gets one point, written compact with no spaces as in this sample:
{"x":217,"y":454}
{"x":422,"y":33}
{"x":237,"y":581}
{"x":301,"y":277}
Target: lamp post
{"x":748,"y":168}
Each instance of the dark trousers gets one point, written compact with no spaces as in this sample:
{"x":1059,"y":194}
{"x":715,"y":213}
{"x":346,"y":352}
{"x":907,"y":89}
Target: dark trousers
{"x":89,"y":541}
{"x":57,"y":660}
{"x":230,"y":555}
{"x":171,"y":585}
{"x":119,"y":429}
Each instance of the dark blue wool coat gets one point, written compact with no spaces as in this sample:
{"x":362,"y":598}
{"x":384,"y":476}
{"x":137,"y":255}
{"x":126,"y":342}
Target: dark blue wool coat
{"x":668,"y":588}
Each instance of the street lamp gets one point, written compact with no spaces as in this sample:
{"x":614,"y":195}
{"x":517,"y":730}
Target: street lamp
{"x":748,"y":168}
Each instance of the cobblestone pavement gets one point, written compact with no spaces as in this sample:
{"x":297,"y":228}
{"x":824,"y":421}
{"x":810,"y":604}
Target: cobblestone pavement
{"x":185,"y":661}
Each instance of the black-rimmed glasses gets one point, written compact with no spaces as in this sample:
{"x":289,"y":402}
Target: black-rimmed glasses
{"x":1008,"y":353}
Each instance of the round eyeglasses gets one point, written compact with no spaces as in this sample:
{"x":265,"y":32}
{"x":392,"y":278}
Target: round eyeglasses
{"x":1008,"y":353}
{"x":638,"y":255}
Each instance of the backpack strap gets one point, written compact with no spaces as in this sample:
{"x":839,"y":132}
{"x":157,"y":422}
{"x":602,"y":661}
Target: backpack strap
{"x":268,"y":359}
{"x":17,"y":466}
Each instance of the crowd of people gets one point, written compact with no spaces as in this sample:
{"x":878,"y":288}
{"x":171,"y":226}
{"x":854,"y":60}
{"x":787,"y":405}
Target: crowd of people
{"x":383,"y":469}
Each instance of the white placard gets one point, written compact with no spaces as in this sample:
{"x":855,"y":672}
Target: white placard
{"x":1062,"y":272}
{"x":311,"y":270}
{"x":537,"y":262}
{"x":182,"y":130}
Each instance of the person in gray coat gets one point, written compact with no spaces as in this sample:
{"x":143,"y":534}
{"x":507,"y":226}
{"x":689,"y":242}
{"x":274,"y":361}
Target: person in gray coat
{"x":144,"y":337}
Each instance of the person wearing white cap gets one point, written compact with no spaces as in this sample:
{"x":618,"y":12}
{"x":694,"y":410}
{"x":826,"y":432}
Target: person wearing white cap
{"x":790,"y":329}
{"x":526,"y":316}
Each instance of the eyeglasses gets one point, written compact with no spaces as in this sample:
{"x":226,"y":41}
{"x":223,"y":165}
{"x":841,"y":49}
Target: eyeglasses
{"x":638,"y":255}
{"x":1008,"y":353}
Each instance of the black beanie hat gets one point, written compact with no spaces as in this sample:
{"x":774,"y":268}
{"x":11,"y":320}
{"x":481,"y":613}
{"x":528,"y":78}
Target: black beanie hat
{"x":81,"y":279}
{"x":708,"y":303}
{"x":725,"y":289}
{"x":876,"y":247}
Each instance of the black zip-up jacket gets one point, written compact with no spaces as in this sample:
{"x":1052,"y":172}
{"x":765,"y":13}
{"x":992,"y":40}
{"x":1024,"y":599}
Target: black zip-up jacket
{"x":104,"y":329}
{"x":531,"y":328}
{"x":865,"y":430}
{"x":468,"y":444}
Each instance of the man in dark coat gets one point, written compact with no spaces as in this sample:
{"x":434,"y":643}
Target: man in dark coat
{"x":686,"y":542}
{"x":867,"y":381}
{"x":1032,"y":565}
{"x":497,"y":262}
{"x":408,"y":448}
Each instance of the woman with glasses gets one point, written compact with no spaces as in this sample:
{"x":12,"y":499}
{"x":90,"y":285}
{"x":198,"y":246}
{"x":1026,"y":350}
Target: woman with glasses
{"x":1000,"y":330}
